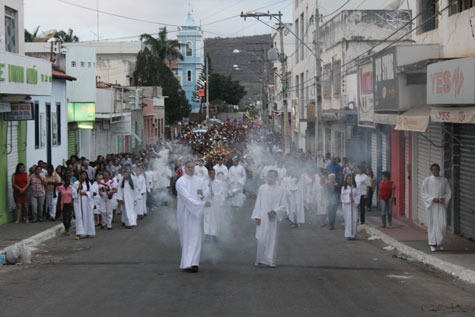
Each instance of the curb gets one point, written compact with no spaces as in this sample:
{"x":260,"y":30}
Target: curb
{"x":37,"y":239}
{"x":458,"y":271}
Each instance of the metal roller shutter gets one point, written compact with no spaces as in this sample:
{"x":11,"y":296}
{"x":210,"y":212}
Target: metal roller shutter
{"x":429,"y":150}
{"x":12,"y":157}
{"x":467,"y":175}
{"x":72,"y":143}
{"x":406,"y":174}
{"x":374,"y":162}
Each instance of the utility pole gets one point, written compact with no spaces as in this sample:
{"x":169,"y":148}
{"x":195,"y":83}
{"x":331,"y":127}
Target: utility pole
{"x":207,"y":91}
{"x":283,"y":61}
{"x":318,"y":84}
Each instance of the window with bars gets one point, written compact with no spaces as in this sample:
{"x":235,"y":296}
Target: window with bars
{"x":11,"y":30}
{"x":457,"y":6}
{"x":326,"y":81}
{"x":336,"y":78}
{"x":429,"y":15}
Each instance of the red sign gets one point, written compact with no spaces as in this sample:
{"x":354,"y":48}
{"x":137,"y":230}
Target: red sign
{"x":201,"y":93}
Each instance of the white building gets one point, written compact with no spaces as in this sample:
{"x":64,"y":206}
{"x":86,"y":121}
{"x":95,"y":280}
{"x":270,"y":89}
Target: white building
{"x":47,"y":139}
{"x":20,"y":78}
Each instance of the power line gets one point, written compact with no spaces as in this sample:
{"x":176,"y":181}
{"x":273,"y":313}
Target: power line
{"x":335,"y":11}
{"x":117,"y":15}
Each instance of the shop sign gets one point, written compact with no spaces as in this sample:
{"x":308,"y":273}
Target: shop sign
{"x":366,"y":96}
{"x":5,"y":107}
{"x":386,"y":83}
{"x":81,"y":111}
{"x":20,"y":112}
{"x":124,"y":126}
{"x":453,"y":114}
{"x":24,"y":75}
{"x":451,"y":82}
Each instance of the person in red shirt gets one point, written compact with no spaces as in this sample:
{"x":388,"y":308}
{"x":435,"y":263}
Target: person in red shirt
{"x":386,"y":198}
{"x":20,"y":183}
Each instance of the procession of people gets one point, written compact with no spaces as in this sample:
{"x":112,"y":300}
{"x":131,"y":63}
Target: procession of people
{"x":211,"y":171}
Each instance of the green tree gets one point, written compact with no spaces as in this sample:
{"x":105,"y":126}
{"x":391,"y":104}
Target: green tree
{"x":150,"y":70}
{"x":163,"y":47}
{"x":30,"y":37}
{"x":66,"y":37}
{"x":225,"y":88}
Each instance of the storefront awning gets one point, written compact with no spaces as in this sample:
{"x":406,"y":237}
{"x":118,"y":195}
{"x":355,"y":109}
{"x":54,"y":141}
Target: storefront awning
{"x":453,"y":114}
{"x":386,"y":118}
{"x":416,"y":119}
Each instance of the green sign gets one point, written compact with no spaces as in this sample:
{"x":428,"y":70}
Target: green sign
{"x":81,"y":111}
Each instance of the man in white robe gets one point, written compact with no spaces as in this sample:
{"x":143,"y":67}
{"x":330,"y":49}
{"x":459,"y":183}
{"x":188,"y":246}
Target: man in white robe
{"x":436,"y":194}
{"x":215,"y":196}
{"x":237,"y":180}
{"x":220,"y":168}
{"x":141,"y":184}
{"x":200,"y":170}
{"x":268,"y":211}
{"x":190,"y":204}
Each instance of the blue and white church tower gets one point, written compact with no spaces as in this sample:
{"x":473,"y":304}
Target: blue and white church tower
{"x":189,"y":69}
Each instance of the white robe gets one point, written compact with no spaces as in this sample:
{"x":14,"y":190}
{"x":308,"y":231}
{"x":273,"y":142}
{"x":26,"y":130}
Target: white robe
{"x":237,"y":180}
{"x":436,"y":187}
{"x":107,"y":204}
{"x":295,"y":199}
{"x":129,"y":197}
{"x":141,"y":185}
{"x":215,"y":196}
{"x":201,"y":172}
{"x":189,"y":214}
{"x":269,"y":197}
{"x":350,"y":210}
{"x":83,"y":211}
{"x":97,"y":206}
{"x":221,"y":168}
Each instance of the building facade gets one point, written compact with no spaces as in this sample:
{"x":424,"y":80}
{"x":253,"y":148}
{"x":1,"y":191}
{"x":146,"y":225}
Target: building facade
{"x":20,"y":78}
{"x":189,"y":69}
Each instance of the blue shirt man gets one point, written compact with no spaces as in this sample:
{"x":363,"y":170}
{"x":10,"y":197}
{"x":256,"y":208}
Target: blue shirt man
{"x":334,"y":168}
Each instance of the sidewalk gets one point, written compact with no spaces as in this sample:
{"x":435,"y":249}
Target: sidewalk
{"x":457,"y":258}
{"x":31,"y":233}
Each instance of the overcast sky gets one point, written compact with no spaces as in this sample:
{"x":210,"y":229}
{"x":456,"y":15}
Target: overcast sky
{"x":55,"y":14}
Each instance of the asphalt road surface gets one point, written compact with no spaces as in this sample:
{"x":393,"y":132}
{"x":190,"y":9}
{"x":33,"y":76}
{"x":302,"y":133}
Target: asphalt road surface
{"x":135,"y":273}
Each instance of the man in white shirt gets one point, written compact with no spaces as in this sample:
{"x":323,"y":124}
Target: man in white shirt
{"x":362,"y":189}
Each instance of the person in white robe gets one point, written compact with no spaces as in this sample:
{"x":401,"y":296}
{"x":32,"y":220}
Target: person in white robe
{"x":200,"y":170}
{"x":140,"y":182}
{"x":294,"y":186}
{"x":237,"y":180}
{"x":97,"y":206}
{"x":436,"y":194}
{"x":215,"y":196}
{"x":221,"y":168}
{"x":127,"y":197}
{"x":350,"y":198}
{"x":268,"y":211}
{"x":107,"y":190}
{"x":148,"y":173}
{"x":83,"y":204}
{"x":191,"y":192}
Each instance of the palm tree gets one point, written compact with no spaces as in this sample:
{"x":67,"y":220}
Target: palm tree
{"x":30,"y":37}
{"x":64,"y":37}
{"x":162,"y":47}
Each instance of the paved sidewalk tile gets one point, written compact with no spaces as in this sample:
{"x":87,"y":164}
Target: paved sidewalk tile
{"x":457,"y":250}
{"x":12,"y":233}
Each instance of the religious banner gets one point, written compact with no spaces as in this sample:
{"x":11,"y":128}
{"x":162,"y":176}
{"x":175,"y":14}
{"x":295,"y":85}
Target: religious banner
{"x":366,"y":96}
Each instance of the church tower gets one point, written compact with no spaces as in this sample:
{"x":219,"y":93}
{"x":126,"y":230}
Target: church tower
{"x":189,"y":69}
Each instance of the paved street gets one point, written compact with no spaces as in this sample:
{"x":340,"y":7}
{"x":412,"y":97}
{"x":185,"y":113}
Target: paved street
{"x":135,"y":272}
